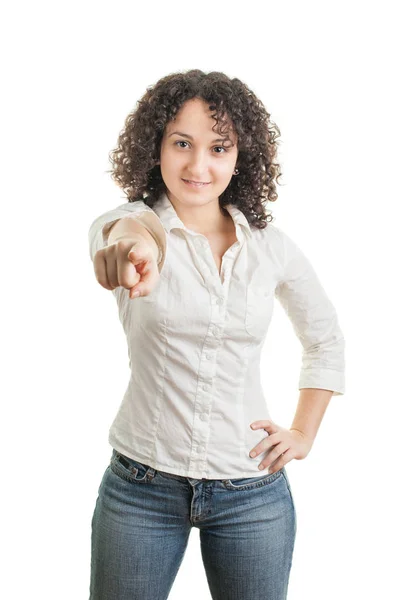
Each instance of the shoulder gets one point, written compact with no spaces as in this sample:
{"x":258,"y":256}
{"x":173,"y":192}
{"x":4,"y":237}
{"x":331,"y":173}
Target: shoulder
{"x":282,"y":248}
{"x":271,"y":236}
{"x":276,"y":237}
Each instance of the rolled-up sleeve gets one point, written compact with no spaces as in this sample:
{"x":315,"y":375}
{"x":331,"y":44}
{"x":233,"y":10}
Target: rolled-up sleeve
{"x":100,"y":227}
{"x":314,"y":320}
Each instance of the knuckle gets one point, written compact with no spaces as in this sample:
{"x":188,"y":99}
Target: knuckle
{"x":122,"y":243}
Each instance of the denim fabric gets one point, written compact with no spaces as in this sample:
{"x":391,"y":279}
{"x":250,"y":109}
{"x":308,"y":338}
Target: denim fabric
{"x":142,"y":521}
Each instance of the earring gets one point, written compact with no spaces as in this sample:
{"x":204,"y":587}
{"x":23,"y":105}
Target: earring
{"x":236,"y":171}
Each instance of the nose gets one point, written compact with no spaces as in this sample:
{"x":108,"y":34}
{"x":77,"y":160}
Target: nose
{"x":198,"y":167}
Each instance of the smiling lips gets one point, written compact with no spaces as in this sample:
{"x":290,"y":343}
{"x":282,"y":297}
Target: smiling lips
{"x":195,"y":183}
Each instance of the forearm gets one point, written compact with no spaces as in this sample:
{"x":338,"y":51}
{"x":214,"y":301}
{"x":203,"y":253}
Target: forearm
{"x":311,"y":407}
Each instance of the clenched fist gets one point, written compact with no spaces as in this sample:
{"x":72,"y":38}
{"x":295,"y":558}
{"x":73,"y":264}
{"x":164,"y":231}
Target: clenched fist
{"x":129,"y":262}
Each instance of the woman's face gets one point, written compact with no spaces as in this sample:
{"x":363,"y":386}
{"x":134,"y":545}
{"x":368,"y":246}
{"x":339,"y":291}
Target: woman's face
{"x":196,"y":154}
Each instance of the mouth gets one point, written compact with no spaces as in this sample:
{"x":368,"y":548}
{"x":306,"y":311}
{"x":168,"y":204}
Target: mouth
{"x":195,"y":183}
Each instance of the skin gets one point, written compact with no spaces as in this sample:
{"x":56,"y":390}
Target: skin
{"x":281,"y":445}
{"x":198,"y":159}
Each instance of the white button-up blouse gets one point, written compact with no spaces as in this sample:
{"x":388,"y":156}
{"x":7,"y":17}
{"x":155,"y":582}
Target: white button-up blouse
{"x":194,"y":342}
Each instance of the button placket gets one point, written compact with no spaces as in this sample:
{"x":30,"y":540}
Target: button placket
{"x":207,"y":369}
{"x":218,"y":289}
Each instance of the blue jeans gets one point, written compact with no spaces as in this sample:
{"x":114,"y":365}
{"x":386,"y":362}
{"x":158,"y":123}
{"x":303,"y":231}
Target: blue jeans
{"x":142,"y":521}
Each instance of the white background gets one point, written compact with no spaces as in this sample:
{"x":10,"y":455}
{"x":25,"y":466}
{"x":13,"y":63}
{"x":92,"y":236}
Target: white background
{"x":328,"y":74}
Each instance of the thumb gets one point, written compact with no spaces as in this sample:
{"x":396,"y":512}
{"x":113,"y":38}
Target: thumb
{"x":139,"y":289}
{"x":133,"y":254}
{"x":135,"y":292}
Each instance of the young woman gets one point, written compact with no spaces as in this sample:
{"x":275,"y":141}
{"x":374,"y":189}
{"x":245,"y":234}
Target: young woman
{"x":193,"y":444}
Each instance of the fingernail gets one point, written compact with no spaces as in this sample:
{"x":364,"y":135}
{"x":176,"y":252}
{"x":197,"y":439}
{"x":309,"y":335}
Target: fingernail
{"x":136,"y":294}
{"x":252,"y":453}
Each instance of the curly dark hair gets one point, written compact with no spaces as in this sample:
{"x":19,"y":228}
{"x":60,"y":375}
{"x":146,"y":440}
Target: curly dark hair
{"x":134,"y":159}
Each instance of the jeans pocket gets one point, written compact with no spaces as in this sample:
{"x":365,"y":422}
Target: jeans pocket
{"x":129,"y":469}
{"x":247,"y":483}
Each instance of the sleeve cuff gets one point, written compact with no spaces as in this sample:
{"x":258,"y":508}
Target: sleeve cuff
{"x":324,"y":379}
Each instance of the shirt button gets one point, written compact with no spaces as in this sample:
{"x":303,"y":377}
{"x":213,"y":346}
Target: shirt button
{"x":200,"y":449}
{"x":209,"y":356}
{"x":203,"y":417}
{"x":215,"y":330}
{"x":220,"y":301}
{"x":206,"y":386}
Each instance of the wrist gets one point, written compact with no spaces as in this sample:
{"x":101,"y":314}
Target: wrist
{"x":302,"y":435}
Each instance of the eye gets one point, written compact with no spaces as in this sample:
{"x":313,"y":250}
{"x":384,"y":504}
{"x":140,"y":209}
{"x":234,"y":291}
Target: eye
{"x":221,"y":147}
{"x":224,"y":149}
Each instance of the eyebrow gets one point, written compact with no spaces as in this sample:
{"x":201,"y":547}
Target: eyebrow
{"x":191,"y":137}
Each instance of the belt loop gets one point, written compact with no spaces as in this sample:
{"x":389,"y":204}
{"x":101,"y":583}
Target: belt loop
{"x":151,"y":473}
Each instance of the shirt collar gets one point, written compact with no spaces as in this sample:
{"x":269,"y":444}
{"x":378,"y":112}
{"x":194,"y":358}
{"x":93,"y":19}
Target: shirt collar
{"x":169,"y":218}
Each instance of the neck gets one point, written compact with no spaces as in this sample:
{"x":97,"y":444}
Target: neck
{"x":207,"y":220}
